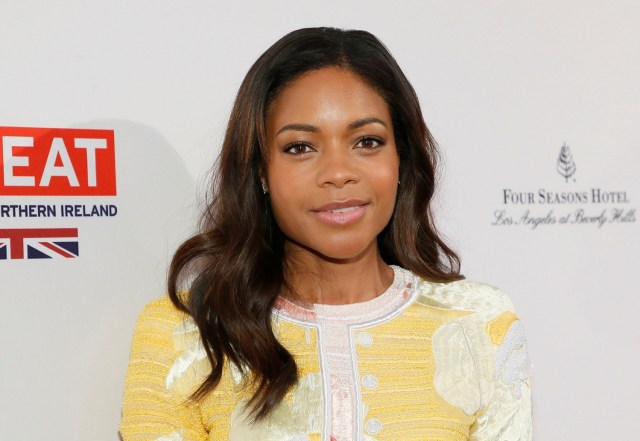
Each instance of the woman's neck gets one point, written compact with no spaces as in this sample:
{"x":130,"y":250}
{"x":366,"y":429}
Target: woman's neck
{"x":316,"y":279}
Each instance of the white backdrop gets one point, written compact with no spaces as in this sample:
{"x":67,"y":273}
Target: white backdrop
{"x":503,"y":85}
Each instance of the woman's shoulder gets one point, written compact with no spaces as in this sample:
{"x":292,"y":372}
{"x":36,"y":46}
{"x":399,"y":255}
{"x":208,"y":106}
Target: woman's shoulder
{"x":162,"y":303}
{"x":170,"y":338}
{"x":481,"y":357}
{"x":159,"y":319}
{"x":162,"y":308}
{"x":463,"y":295}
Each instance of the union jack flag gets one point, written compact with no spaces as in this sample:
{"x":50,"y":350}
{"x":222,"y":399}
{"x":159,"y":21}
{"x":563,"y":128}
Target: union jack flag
{"x":38,"y":243}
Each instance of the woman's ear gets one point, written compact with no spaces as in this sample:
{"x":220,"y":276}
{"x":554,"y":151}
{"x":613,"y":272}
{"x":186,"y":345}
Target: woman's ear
{"x":263,"y":181}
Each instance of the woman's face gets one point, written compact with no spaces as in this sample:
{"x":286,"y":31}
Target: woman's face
{"x":333,"y":166}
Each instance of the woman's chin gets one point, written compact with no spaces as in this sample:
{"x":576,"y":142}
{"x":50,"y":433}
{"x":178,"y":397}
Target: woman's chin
{"x":335,"y":252}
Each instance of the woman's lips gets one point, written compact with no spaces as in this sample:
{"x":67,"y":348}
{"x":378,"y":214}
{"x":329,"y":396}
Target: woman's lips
{"x":341,"y":213}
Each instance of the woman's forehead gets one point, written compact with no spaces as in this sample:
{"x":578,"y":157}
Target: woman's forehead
{"x":330,"y":95}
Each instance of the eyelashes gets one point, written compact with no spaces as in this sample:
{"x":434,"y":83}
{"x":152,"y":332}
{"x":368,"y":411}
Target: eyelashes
{"x":370,"y":142}
{"x":298,"y":148}
{"x":367,"y":143}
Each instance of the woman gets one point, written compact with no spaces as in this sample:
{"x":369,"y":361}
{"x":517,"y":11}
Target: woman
{"x":321,"y":303}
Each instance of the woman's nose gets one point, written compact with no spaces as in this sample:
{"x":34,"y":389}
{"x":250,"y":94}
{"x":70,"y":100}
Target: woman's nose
{"x":337,"y":167}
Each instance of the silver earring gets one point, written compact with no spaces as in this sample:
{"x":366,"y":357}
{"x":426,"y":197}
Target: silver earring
{"x":265,"y":190}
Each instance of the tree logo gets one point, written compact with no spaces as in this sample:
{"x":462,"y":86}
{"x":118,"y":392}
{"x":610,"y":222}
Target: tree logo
{"x":565,"y":166}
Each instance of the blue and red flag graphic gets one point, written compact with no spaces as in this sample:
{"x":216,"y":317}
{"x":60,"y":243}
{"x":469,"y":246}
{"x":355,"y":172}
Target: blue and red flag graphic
{"x":38,"y":243}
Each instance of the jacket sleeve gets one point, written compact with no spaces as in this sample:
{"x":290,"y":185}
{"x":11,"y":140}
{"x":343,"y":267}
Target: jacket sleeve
{"x":151,"y":409}
{"x":503,"y":368}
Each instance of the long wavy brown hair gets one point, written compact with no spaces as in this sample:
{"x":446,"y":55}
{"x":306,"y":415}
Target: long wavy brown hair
{"x":235,"y":264}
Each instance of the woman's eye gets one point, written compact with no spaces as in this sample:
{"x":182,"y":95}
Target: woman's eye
{"x":369,"y":143}
{"x":298,"y":148}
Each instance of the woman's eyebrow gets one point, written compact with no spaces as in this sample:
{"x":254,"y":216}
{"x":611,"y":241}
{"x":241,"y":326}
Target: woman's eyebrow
{"x":364,"y":121}
{"x":309,"y":128}
{"x":298,"y":127}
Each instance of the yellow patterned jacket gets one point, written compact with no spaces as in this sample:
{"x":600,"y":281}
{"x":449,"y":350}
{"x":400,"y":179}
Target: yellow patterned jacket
{"x":451,"y":364}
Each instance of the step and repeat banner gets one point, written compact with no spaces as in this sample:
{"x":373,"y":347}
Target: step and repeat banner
{"x":112,"y":114}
